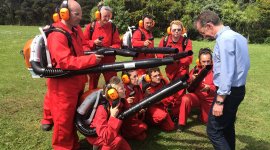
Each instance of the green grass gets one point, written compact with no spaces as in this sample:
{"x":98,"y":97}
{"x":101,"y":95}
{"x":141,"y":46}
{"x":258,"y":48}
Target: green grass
{"x":21,"y":100}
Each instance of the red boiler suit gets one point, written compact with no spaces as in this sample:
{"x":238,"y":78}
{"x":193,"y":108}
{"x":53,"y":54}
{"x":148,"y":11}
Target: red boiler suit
{"x":108,"y":41}
{"x":202,"y":100}
{"x":107,"y":129}
{"x":178,"y":68}
{"x":63,"y":93}
{"x":133,"y":127}
{"x":157,"y":114}
{"x":138,"y":42}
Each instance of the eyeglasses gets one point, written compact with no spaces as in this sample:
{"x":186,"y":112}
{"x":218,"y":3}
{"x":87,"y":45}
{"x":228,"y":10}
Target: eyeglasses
{"x":174,"y":30}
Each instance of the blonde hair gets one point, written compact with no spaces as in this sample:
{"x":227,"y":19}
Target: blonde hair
{"x":176,"y":22}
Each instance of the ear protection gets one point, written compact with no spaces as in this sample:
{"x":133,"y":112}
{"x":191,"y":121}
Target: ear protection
{"x":62,"y":13}
{"x":141,"y":24}
{"x":97,"y":15}
{"x":125,"y":77}
{"x":169,"y":30}
{"x":111,"y":92}
{"x":147,"y":78}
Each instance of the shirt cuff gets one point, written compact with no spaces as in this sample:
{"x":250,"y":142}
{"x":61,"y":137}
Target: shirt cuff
{"x":223,"y":92}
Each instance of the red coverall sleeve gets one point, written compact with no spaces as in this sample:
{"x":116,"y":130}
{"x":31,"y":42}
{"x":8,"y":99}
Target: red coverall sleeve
{"x":86,"y":46}
{"x":136,"y":39}
{"x":61,"y":53}
{"x":213,"y":89}
{"x":108,"y":130}
{"x":187,"y":60}
{"x":86,"y":34}
{"x":116,"y":42}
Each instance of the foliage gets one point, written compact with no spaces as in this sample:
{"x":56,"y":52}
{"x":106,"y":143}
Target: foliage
{"x":249,"y":17}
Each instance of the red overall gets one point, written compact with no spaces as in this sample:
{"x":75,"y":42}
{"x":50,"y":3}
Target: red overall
{"x":133,"y":127}
{"x":178,"y":68}
{"x":157,"y":114}
{"x":107,"y":129}
{"x":202,"y":100}
{"x":63,"y":93}
{"x":108,"y":41}
{"x":138,"y":42}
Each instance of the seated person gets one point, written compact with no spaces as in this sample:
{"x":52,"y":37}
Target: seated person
{"x":204,"y":93}
{"x":133,"y":127}
{"x":157,"y":114}
{"x":105,"y":121}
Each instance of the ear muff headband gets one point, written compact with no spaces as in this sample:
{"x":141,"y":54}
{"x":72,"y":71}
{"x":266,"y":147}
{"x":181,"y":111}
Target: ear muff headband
{"x":112,"y":93}
{"x":64,"y":11}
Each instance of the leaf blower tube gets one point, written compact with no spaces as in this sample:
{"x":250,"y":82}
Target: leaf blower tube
{"x":83,"y":124}
{"x":160,"y":94}
{"x":118,"y":66}
{"x":112,"y":52}
{"x":155,"y":50}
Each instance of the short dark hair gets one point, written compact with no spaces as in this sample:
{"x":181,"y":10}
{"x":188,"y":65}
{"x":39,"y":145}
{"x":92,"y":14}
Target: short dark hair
{"x":147,"y":16}
{"x":206,"y":17}
{"x":150,"y":70}
{"x":205,"y":51}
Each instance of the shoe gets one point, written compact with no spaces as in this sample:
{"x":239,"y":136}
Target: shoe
{"x":180,"y":128}
{"x":46,"y":127}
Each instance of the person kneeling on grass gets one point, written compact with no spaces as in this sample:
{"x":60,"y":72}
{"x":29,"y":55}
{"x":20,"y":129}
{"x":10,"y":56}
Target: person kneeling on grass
{"x":105,"y":121}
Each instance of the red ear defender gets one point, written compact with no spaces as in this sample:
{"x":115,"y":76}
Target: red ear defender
{"x":125,"y":79}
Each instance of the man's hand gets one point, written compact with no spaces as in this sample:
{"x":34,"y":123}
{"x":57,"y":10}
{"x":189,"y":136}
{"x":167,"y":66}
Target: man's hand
{"x":98,"y":42}
{"x":147,"y":43}
{"x":130,"y":99}
{"x":218,"y":108}
{"x":98,"y":58}
{"x":206,"y":88}
{"x":114,"y":111}
{"x":147,"y":91}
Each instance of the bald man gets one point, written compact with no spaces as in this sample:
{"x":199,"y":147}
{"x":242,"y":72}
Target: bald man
{"x":63,"y":93}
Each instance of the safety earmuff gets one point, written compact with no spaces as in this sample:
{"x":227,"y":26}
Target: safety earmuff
{"x":169,"y":32}
{"x":141,"y":24}
{"x":64,"y":11}
{"x":56,"y":16}
{"x":112,"y":92}
{"x":125,"y":78}
{"x":97,"y":15}
{"x":147,"y":78}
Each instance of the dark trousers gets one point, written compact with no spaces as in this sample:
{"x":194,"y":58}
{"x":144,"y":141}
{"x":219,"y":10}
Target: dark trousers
{"x":220,"y":130}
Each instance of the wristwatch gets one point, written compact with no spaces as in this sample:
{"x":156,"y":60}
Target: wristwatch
{"x":219,"y":102}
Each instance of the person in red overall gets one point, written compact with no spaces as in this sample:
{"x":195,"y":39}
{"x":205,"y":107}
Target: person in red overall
{"x":180,"y":67}
{"x":143,"y":37}
{"x":105,"y":121}
{"x":133,"y":127}
{"x":158,"y":114}
{"x":93,"y":33}
{"x":203,"y":95}
{"x":63,"y":93}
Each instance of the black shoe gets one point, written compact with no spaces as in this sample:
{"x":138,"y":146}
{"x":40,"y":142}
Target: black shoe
{"x":180,"y":128}
{"x":46,"y":127}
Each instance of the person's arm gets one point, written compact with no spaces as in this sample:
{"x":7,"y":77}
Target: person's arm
{"x":136,"y":39}
{"x":63,"y":56}
{"x":227,"y":65}
{"x":107,"y":129}
{"x":86,"y":34}
{"x":116,"y":42}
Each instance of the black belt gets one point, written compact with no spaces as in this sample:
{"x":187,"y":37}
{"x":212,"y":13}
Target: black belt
{"x":234,"y":87}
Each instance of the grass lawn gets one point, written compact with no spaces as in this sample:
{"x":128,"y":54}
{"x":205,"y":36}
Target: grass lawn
{"x":21,"y":100}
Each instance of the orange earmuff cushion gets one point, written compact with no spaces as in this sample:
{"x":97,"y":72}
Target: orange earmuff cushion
{"x":147,"y":78}
{"x":125,"y":79}
{"x":112,"y":94}
{"x":169,"y":31}
{"x":56,"y":17}
{"x":141,"y":23}
{"x":97,"y":15}
{"x":64,"y":13}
